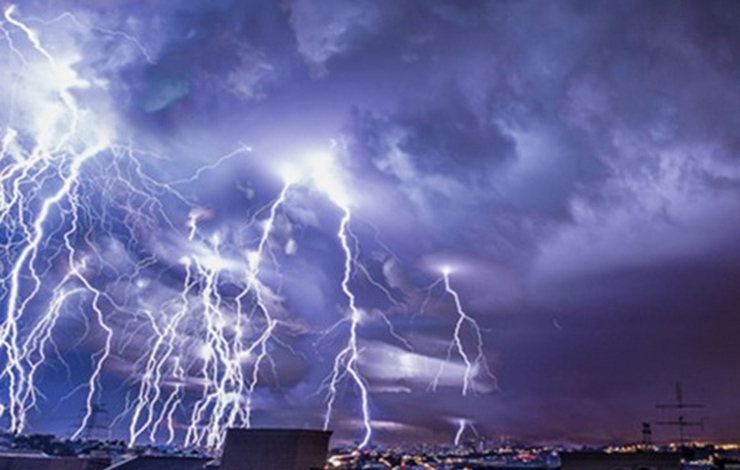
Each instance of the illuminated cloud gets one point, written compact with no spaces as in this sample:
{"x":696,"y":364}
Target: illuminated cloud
{"x":211,"y":166}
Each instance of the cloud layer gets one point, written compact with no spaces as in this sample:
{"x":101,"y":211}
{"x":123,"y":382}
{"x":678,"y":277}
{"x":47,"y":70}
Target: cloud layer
{"x":576,"y":163}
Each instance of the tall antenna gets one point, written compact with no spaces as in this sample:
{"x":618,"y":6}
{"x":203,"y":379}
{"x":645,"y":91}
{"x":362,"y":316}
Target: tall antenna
{"x":681,"y":422}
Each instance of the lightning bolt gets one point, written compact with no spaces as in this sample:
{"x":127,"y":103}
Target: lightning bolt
{"x":233,"y":384}
{"x":462,"y":424}
{"x":255,"y":262}
{"x":44,"y":187}
{"x":346,"y":361}
{"x":37,"y":187}
{"x":154,"y":373}
{"x":470,"y":360}
{"x":203,"y":352}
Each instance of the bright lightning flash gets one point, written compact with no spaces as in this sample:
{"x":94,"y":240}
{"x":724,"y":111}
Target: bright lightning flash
{"x":36,"y":188}
{"x":346,"y":361}
{"x":460,"y":431}
{"x":201,"y":349}
{"x":473,"y":359}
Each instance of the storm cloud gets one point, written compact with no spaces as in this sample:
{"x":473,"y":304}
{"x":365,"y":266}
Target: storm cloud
{"x":575,"y":163}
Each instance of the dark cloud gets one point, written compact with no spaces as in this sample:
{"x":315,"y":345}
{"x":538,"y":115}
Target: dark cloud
{"x":575,"y":163}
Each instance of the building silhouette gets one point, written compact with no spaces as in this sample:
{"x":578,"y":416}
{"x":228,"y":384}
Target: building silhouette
{"x":275,"y":449}
{"x":244,"y":449}
{"x":161,"y":463}
{"x":28,"y":461}
{"x":620,"y":461}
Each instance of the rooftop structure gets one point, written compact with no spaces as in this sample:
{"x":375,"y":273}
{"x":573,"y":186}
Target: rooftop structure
{"x":161,"y":463}
{"x":275,"y":449}
{"x":21,"y":461}
{"x":620,"y":461}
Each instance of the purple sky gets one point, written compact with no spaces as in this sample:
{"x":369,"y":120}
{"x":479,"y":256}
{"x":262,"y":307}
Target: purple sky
{"x":575,"y":163}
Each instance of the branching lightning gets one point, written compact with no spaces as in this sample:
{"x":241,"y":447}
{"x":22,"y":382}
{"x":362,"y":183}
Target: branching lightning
{"x":228,"y":396}
{"x":35,"y":188}
{"x":324,"y":175}
{"x":47,"y":183}
{"x":470,"y":360}
{"x":462,"y":426}
{"x":79,"y":217}
{"x":346,"y":361}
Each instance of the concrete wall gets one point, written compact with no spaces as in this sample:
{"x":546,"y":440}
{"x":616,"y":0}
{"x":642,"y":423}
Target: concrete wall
{"x":275,"y":449}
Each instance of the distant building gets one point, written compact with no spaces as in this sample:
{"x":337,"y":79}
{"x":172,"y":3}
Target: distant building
{"x":275,"y":449}
{"x":620,"y":461}
{"x":28,"y":461}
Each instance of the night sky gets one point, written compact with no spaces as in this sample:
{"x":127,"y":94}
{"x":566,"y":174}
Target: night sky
{"x":575,"y":164}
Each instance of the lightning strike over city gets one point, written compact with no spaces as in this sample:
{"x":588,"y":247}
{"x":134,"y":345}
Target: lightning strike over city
{"x":425,"y":221}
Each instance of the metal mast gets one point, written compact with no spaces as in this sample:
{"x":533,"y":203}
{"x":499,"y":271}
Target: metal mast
{"x":681,"y":421}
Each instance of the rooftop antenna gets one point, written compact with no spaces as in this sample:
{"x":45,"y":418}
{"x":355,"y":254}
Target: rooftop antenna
{"x":681,"y":422}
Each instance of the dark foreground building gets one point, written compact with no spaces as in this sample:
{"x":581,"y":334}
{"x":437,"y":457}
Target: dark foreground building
{"x":620,"y":461}
{"x":244,"y":449}
{"x":161,"y":463}
{"x":46,"y":462}
{"x":275,"y":449}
